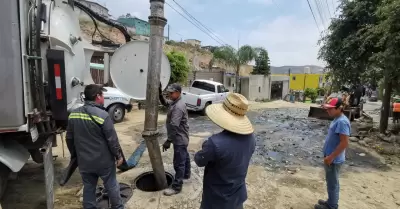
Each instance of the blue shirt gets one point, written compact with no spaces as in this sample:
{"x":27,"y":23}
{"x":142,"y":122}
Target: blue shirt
{"x":226,"y":158}
{"x":340,"y":125}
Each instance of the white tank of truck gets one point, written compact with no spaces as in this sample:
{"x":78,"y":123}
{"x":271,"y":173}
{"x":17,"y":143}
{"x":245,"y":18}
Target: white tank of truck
{"x":44,"y":67}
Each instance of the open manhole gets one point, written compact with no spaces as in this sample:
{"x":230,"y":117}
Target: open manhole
{"x":147,"y":182}
{"x":102,"y":195}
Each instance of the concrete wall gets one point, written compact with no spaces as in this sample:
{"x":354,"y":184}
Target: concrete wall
{"x":256,"y":87}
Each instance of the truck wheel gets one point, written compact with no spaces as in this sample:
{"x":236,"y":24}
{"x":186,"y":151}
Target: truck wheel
{"x":117,"y":113}
{"x":36,"y":155}
{"x":4,"y":172}
{"x":203,"y":112}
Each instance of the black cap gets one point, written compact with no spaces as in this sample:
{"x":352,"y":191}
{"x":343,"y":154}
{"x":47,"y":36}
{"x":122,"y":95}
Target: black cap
{"x":92,"y":90}
{"x":174,"y":88}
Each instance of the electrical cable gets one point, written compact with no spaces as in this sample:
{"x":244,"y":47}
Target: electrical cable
{"x":312,"y":12}
{"x":193,"y":18}
{"x":329,"y":10}
{"x":320,"y":13}
{"x":194,"y":23}
{"x":96,"y":16}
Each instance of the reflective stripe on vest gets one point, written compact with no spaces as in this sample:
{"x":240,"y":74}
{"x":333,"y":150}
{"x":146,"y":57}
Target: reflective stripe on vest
{"x":84,"y":116}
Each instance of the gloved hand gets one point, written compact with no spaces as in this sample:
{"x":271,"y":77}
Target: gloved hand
{"x":166,"y":145}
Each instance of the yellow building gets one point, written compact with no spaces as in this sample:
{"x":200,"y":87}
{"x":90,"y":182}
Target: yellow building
{"x":300,"y":82}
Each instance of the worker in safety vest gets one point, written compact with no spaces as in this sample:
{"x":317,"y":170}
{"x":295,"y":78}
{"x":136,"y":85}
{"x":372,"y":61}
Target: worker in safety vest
{"x":396,"y":109}
{"x":92,"y":139}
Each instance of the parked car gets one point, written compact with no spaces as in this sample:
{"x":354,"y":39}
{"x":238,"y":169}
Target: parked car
{"x":116,"y":103}
{"x":374,"y":96}
{"x":203,"y":93}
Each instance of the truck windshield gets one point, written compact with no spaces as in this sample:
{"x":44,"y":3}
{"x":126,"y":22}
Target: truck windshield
{"x":204,"y":86}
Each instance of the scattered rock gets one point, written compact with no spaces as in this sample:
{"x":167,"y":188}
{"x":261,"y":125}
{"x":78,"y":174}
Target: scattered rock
{"x":363,"y":143}
{"x":362,"y":154}
{"x":363,"y":133}
{"x":354,"y":139}
{"x":368,"y":140}
{"x":365,"y":126}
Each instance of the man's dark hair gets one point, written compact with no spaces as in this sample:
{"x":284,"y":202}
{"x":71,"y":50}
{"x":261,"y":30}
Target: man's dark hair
{"x":91,"y":92}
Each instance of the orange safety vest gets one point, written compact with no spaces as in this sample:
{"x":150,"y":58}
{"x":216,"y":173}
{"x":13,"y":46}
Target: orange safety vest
{"x":396,"y":107}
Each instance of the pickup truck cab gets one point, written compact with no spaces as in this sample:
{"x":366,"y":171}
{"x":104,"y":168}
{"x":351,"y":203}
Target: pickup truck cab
{"x":203,"y":93}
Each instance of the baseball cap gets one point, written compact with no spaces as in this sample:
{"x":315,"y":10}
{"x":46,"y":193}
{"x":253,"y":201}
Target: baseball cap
{"x":335,"y":102}
{"x":174,"y":88}
{"x":92,"y":90}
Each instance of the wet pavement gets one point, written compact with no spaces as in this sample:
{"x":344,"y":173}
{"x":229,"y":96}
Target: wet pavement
{"x":287,"y":139}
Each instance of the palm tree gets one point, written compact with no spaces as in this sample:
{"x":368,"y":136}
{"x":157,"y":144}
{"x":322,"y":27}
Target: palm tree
{"x":235,"y":58}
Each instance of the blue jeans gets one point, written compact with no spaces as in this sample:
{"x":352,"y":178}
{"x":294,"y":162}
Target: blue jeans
{"x":181,"y":166}
{"x":109,"y":177}
{"x":332,"y":183}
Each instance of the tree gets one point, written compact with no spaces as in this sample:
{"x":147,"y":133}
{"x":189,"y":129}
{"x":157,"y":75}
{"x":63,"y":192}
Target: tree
{"x":179,"y":67}
{"x":235,"y":58}
{"x":386,"y":34}
{"x":262,"y":66}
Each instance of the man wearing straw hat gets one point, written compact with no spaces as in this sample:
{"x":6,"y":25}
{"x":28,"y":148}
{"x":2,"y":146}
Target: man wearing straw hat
{"x":226,"y":155}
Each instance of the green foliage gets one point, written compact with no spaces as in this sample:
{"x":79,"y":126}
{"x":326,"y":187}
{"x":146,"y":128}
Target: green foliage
{"x":235,"y":58}
{"x":179,"y":67}
{"x":262,"y":66}
{"x":321,"y":91}
{"x":311,"y":93}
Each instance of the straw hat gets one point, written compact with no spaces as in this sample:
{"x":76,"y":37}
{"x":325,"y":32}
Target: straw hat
{"x":231,"y":114}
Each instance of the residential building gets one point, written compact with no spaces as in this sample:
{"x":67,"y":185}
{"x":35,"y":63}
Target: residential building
{"x":96,"y":7}
{"x":302,"y":81}
{"x":141,"y":27}
{"x":193,"y":42}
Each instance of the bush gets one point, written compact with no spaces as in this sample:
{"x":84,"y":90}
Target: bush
{"x":311,"y":93}
{"x":179,"y":67}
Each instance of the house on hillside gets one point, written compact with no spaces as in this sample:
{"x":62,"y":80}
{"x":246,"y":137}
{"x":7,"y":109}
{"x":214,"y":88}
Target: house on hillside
{"x":193,"y":42}
{"x":141,"y":27}
{"x":96,"y":7}
{"x":301,"y":81}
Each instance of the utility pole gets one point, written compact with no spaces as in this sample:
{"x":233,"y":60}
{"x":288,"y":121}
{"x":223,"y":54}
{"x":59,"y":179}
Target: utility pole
{"x":150,"y":134}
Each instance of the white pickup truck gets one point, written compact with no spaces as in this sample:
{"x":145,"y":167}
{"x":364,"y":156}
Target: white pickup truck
{"x":203,"y":93}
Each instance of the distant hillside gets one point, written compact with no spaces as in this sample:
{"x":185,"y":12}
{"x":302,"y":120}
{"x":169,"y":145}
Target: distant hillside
{"x":296,"y":69}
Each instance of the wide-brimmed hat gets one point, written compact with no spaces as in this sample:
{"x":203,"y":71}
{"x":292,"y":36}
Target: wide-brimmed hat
{"x":231,"y":114}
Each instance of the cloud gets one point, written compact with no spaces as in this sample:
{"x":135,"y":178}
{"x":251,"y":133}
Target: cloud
{"x":288,"y":39}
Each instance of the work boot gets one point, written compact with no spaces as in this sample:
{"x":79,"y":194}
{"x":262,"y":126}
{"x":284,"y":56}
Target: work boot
{"x":170,"y":192}
{"x":319,"y":206}
{"x":325,"y":203}
{"x":186,"y":180}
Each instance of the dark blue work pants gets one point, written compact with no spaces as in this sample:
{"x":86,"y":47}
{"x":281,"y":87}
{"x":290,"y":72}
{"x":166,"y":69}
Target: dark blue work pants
{"x":109,"y":177}
{"x":181,"y":166}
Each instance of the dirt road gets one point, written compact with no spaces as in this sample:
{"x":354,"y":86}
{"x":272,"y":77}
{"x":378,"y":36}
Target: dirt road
{"x":285,"y":172}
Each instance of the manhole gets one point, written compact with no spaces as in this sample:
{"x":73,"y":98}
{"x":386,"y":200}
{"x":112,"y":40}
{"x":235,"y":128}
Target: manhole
{"x":102,"y":195}
{"x":147,"y":182}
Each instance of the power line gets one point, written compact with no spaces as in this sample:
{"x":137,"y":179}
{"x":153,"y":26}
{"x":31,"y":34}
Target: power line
{"x":193,"y":23}
{"x":320,"y":13}
{"x":329,"y":10}
{"x":193,"y":18}
{"x":316,"y":23}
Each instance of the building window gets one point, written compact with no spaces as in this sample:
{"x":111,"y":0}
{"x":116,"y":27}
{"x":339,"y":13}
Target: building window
{"x":294,"y":78}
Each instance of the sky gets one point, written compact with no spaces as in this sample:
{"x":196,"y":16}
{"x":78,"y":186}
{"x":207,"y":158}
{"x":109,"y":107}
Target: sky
{"x":286,"y":28}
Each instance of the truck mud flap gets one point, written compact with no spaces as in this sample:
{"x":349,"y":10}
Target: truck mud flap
{"x":47,"y":153}
{"x":319,"y":113}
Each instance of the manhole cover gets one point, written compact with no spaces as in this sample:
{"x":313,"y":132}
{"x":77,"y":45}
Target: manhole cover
{"x":147,"y":182}
{"x":102,"y":195}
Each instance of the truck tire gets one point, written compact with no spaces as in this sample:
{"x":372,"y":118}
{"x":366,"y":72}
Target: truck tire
{"x":36,"y":156}
{"x":4,"y":172}
{"x":203,"y":112}
{"x":117,"y":113}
